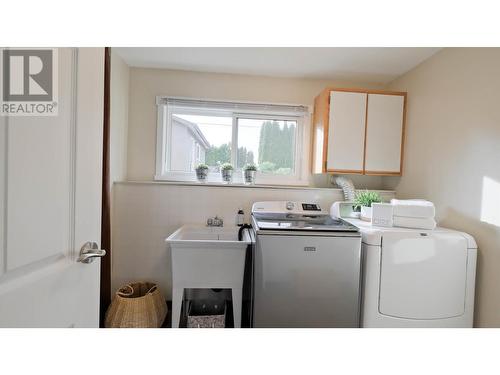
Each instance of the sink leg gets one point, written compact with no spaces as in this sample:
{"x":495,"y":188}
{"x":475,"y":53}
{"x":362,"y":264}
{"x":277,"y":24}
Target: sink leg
{"x":237,"y":296}
{"x":177,"y":295}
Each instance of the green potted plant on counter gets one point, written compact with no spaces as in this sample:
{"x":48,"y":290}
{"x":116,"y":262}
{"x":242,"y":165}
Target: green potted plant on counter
{"x":249,"y":173}
{"x":364,"y":200}
{"x":226,"y":171}
{"x":202,"y":172}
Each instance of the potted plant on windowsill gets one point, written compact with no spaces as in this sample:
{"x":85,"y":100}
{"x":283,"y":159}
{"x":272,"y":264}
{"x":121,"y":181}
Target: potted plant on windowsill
{"x":364,"y":200}
{"x":249,"y":173}
{"x":202,"y":172}
{"x":226,"y":171}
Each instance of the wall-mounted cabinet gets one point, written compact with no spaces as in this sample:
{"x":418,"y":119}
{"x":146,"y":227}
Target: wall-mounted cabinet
{"x":358,"y":131}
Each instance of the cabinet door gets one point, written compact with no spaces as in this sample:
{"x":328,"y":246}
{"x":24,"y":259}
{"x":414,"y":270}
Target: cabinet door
{"x":384,"y":134}
{"x":346,"y":132}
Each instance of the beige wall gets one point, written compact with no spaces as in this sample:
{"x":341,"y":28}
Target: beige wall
{"x":146,"y":84}
{"x":120,"y":73}
{"x":452,"y":154}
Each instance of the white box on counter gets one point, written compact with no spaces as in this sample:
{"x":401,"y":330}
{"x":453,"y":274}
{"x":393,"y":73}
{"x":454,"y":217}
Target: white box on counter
{"x":382,"y":214}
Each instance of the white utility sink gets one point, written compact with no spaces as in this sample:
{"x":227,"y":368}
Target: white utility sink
{"x":207,"y":257}
{"x":197,"y":235}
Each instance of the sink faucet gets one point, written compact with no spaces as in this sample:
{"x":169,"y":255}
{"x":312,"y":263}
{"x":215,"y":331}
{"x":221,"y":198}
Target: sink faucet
{"x":215,"y":222}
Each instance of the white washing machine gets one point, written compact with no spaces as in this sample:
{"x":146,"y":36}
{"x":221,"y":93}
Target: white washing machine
{"x":417,"y":278}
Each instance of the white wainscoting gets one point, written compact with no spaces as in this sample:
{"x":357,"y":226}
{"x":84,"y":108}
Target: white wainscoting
{"x":145,"y":213}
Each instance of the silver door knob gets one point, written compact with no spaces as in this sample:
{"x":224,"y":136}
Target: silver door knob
{"x":89,"y":251}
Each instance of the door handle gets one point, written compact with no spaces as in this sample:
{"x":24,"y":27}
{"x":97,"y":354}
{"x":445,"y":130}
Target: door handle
{"x":89,"y":251}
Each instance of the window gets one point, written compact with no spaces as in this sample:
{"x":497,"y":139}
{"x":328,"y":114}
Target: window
{"x":270,"y":136}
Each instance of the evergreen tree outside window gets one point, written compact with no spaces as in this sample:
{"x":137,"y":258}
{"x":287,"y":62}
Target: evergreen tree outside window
{"x":273,"y":142}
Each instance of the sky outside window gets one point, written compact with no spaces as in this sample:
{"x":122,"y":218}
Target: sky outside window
{"x":216,"y":129}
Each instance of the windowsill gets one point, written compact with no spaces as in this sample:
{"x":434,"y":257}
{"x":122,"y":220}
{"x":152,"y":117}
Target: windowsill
{"x":214,"y":179}
{"x":235,"y":185}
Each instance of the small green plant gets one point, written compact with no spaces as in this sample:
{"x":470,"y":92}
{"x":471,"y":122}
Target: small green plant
{"x":366,"y":198}
{"x":226,"y":167}
{"x":202,"y":166}
{"x":250,"y":167}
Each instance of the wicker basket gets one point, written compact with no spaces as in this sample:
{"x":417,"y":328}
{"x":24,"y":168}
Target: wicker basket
{"x":137,"y":305}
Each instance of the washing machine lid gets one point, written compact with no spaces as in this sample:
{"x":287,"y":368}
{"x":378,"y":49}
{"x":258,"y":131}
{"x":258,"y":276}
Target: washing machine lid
{"x":423,"y":275}
{"x":373,"y":235}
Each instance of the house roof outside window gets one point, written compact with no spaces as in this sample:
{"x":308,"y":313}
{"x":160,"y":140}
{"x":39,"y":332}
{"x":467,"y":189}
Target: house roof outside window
{"x":194,"y":130}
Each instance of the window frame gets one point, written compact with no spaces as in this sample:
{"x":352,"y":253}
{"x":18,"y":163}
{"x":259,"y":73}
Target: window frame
{"x":164,"y":133}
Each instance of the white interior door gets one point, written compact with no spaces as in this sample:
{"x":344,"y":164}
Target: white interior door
{"x":346,"y":131}
{"x":50,"y":202}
